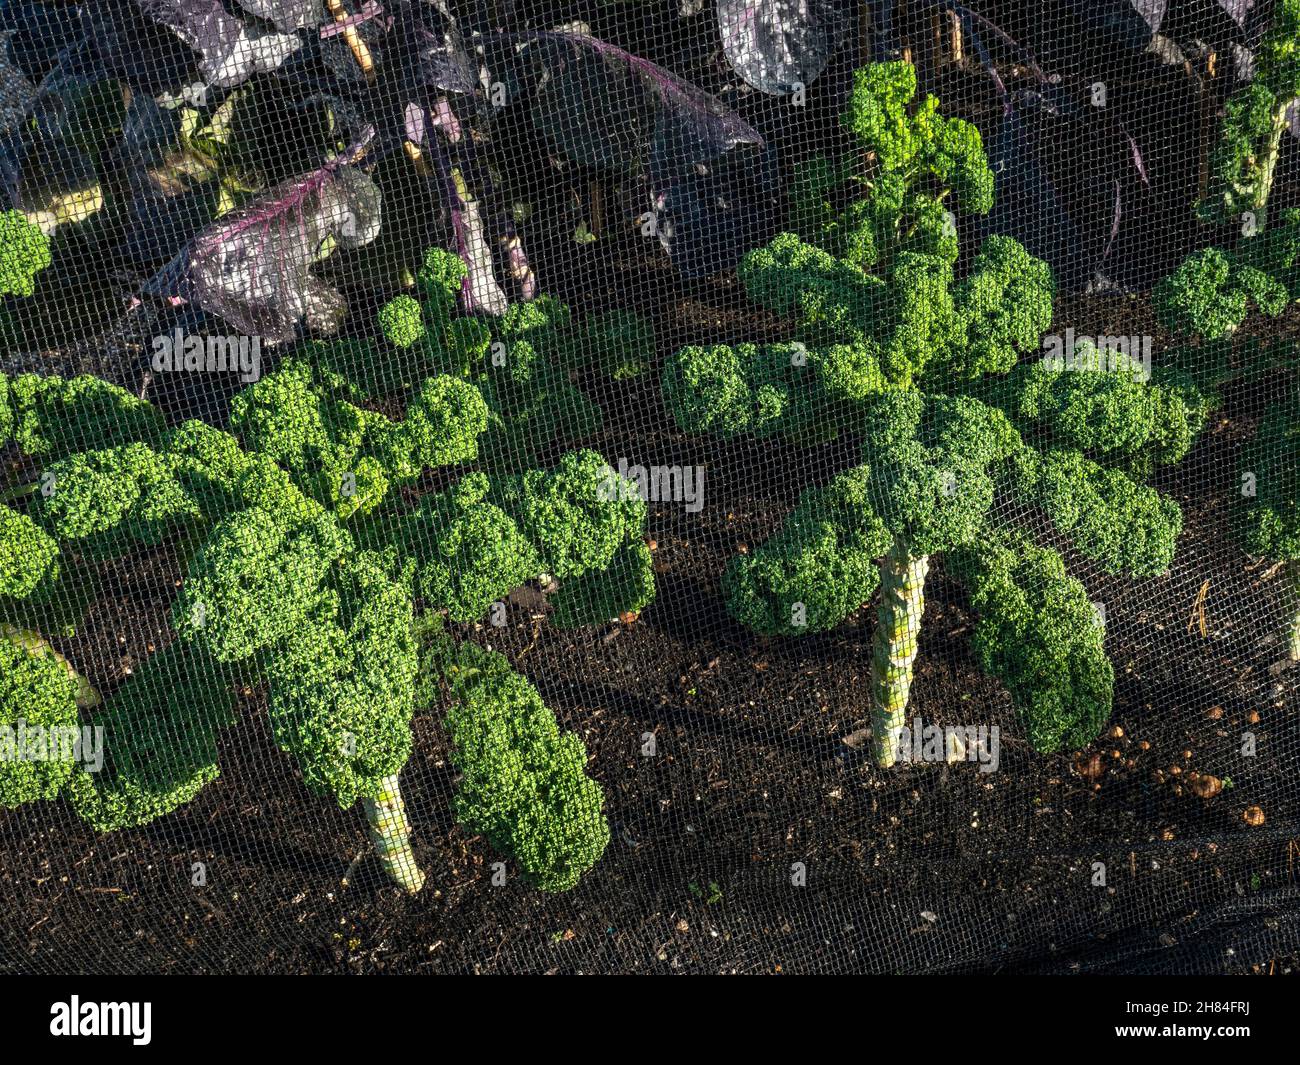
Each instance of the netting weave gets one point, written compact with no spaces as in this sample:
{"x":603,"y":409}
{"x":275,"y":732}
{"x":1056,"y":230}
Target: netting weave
{"x":649,"y":486}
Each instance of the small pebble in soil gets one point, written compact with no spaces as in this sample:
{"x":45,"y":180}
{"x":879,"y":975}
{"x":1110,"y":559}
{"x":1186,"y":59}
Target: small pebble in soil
{"x":1205,"y":785}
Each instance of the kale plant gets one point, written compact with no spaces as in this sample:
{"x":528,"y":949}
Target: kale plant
{"x":901,"y":203}
{"x":1244,"y":162}
{"x":315,"y":566}
{"x":970,"y":440}
{"x":522,"y":361}
{"x":1214,"y":289}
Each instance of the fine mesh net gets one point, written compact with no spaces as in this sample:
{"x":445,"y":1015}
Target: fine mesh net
{"x":649,"y":486}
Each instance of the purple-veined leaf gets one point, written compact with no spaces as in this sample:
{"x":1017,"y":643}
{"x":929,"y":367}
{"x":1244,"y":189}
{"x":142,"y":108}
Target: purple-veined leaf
{"x":1217,"y":22}
{"x":1110,"y":24}
{"x":1027,"y":203}
{"x":1071,"y":217}
{"x":445,"y":63}
{"x":48,"y":178}
{"x":159,"y":222}
{"x":613,"y":106}
{"x":253,"y":266}
{"x":43,"y":167}
{"x":231,"y":50}
{"x":172,"y":284}
{"x":604,"y":107}
{"x":780,"y":45}
{"x":973,"y":24}
{"x":136,"y":49}
{"x":287,"y":15}
{"x":39,"y":33}
{"x":592,"y":111}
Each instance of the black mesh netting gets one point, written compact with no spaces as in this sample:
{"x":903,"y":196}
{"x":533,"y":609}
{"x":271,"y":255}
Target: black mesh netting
{"x":649,"y":485}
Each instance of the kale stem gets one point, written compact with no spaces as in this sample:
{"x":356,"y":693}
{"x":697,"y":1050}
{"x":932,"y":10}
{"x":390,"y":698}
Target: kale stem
{"x":17,"y":493}
{"x":38,"y":646}
{"x":390,"y":832}
{"x":898,"y":628}
{"x":1272,"y":149}
{"x":360,"y":50}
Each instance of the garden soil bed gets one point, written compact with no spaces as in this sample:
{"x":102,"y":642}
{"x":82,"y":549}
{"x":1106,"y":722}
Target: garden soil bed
{"x":919,"y":869}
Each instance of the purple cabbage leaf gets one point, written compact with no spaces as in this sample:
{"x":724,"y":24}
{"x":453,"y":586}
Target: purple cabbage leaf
{"x":708,"y":172}
{"x":231,"y":50}
{"x":613,"y":105}
{"x":780,"y":45}
{"x":174,"y":192}
{"x":287,"y":15}
{"x":253,"y":267}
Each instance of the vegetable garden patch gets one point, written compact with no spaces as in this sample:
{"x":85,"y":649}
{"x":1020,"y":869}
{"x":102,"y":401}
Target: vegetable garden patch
{"x":649,"y":487}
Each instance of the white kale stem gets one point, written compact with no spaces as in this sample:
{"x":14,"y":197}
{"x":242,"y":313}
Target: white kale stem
{"x":898,"y":629}
{"x":390,"y":831}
